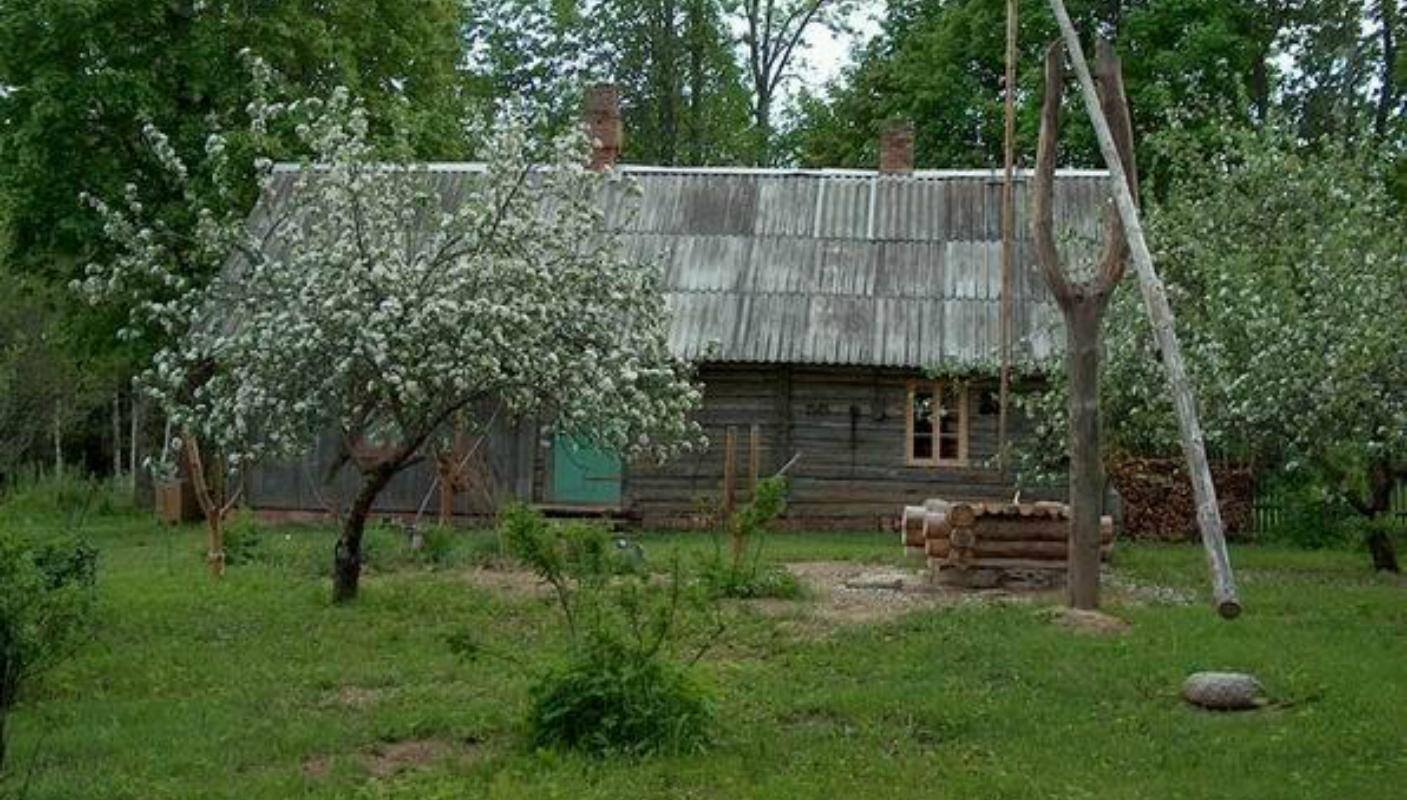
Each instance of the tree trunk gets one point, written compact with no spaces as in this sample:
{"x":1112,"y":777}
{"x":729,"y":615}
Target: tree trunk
{"x":347,"y":558}
{"x":58,"y":446}
{"x":1382,"y":479}
{"x":1082,"y":324}
{"x":117,"y":436}
{"x":134,"y":432}
{"x":211,"y":504}
{"x":1383,"y":550}
{"x":1387,"y":89}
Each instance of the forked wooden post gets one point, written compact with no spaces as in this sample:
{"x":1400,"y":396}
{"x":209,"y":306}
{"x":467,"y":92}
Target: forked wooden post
{"x":1160,"y":314}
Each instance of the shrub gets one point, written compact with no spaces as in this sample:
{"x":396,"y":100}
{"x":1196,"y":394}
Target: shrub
{"x":611,"y":697}
{"x":46,"y":608}
{"x":623,"y":687}
{"x":740,"y":574}
{"x":244,"y":539}
{"x":1310,"y":515}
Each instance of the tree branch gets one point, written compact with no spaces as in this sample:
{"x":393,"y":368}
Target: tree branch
{"x":1042,"y":223}
{"x":1116,"y":109}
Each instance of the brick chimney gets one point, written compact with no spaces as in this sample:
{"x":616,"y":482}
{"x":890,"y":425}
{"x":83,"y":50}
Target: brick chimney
{"x":896,"y":148}
{"x":602,"y":121}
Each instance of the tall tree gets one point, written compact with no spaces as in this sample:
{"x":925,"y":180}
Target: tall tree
{"x":773,"y":35}
{"x":1392,"y":25}
{"x":82,"y":79}
{"x":1194,"y":63}
{"x":684,"y":98}
{"x":534,"y":54}
{"x":940,"y":65}
{"x":87,"y":77}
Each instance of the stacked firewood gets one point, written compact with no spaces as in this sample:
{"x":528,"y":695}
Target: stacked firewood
{"x":977,"y":535}
{"x":1158,"y":501}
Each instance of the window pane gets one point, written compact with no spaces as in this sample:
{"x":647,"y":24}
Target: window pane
{"x":949,"y":417}
{"x":921,"y":408}
{"x":923,"y":413}
{"x":989,"y":402}
{"x":923,"y":448}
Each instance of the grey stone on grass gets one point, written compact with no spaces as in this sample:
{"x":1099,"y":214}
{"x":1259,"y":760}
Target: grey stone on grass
{"x":1223,"y":691}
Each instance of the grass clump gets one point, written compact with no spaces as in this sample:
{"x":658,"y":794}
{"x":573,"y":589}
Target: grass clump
{"x":611,"y":697}
{"x":624,"y":686}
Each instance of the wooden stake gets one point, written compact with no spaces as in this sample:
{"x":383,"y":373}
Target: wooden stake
{"x":1161,"y":316}
{"x":447,"y":487}
{"x":730,"y":471}
{"x":1008,"y":229}
{"x":754,"y":457}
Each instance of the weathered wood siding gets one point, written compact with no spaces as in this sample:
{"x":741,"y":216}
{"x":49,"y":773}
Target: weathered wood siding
{"x":847,"y":424}
{"x":504,"y":466}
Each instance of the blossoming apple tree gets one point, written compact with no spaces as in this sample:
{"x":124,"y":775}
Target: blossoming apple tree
{"x":1289,"y":265}
{"x":362,"y":299}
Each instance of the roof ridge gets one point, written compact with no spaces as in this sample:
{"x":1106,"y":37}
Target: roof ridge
{"x":780,"y":172}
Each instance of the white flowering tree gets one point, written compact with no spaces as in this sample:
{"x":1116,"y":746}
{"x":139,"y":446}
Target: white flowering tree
{"x":362,"y":299}
{"x":160,"y":275}
{"x":1289,"y":265}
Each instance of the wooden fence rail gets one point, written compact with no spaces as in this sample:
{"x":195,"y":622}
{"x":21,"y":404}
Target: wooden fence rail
{"x":1273,"y":509}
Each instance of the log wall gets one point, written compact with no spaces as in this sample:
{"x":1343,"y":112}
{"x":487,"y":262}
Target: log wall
{"x":847,"y":424}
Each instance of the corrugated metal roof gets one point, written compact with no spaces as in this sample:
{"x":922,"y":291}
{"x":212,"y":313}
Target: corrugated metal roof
{"x":850,"y":268}
{"x":839,"y":267}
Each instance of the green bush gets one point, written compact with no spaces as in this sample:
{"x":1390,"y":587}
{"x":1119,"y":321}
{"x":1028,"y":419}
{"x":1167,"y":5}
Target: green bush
{"x":610,"y":697}
{"x":1311,"y":515}
{"x":623,"y":687}
{"x":245,"y":541}
{"x":740,"y":573}
{"x":46,"y":607}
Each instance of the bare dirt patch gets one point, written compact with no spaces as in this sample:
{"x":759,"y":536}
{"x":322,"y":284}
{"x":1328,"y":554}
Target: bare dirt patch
{"x":388,"y":758}
{"x":384,"y":759}
{"x":317,"y":767}
{"x":847,"y":593}
{"x":506,"y":581}
{"x":354,"y":697}
{"x":1091,"y":622}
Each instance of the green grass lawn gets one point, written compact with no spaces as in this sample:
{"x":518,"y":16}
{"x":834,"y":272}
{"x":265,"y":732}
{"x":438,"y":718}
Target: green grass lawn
{"x":257,"y":687}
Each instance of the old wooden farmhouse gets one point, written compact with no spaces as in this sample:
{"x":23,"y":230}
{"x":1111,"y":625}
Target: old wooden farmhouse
{"x":819,"y":305}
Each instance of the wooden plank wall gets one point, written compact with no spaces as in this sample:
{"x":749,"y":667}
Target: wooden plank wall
{"x":505,"y":461}
{"x":848,"y":425}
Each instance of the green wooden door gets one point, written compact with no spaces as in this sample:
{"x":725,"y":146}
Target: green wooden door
{"x":583,"y":473}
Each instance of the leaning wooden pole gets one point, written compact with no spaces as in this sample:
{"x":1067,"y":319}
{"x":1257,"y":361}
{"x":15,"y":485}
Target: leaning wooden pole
{"x":1160,"y":315}
{"x":1008,"y":228}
